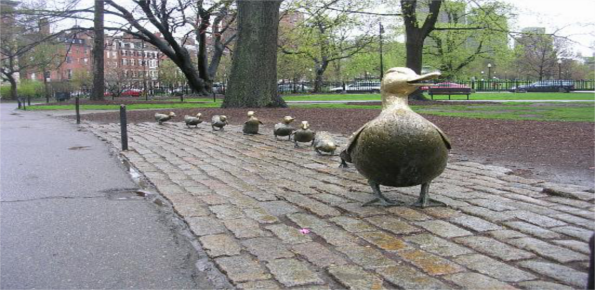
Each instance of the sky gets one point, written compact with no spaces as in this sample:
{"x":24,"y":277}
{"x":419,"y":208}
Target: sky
{"x":574,"y":18}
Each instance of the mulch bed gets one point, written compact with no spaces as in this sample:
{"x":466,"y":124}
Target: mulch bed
{"x":557,"y":151}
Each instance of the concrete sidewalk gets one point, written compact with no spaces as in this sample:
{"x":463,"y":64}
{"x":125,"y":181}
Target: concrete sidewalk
{"x":247,"y":198}
{"x":72,"y":218}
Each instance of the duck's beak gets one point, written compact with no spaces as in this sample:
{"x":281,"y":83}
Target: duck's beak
{"x":417,"y":79}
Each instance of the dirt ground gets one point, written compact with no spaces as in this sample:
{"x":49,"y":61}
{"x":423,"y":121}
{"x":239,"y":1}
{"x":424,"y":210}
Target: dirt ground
{"x":555,"y":151}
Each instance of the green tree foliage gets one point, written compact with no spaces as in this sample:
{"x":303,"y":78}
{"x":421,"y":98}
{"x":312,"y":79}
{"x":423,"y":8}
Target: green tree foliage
{"x":464,"y":34}
{"x":326,"y":36}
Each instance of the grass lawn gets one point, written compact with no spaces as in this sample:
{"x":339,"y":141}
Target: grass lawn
{"x":576,"y":112}
{"x":185,"y":105}
{"x":554,"y":111}
{"x":476,"y":96}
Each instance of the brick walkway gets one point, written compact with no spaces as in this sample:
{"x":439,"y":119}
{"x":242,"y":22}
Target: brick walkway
{"x":247,"y":197}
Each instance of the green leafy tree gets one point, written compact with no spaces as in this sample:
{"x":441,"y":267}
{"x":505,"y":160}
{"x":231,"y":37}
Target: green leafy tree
{"x":326,"y":36}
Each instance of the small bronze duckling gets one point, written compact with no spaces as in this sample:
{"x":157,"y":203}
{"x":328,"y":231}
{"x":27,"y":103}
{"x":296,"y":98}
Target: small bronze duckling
{"x":218,"y":121}
{"x":324,"y":142}
{"x":160,"y":118}
{"x":193,"y":121}
{"x":304,"y":134}
{"x":399,"y":148}
{"x":251,"y":126}
{"x":284,"y":129}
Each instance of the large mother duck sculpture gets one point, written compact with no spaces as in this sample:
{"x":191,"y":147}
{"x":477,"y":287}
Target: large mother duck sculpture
{"x":399,"y":148}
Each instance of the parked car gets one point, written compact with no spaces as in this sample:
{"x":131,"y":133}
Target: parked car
{"x":363,"y":86}
{"x":218,"y":88}
{"x":443,"y":85}
{"x":545,"y":86}
{"x":131,"y":93}
{"x":293,"y":88}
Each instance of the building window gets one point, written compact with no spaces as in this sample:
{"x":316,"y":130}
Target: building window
{"x":68,"y":59}
{"x":69,"y":74}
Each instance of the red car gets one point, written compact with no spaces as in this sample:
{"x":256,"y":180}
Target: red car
{"x":444,"y":85}
{"x":132,"y":93}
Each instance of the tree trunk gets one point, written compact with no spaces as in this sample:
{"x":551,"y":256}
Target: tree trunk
{"x":416,"y":35}
{"x":318,"y":82}
{"x":98,"y":60}
{"x":253,"y":77}
{"x":203,"y":62}
{"x":13,"y":88}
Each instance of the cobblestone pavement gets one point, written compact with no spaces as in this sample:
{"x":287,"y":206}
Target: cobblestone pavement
{"x":246,"y":198}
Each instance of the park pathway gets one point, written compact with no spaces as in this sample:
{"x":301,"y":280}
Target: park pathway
{"x":248,"y":199}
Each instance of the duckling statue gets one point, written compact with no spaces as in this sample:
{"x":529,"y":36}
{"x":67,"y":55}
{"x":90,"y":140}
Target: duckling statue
{"x":324,"y":142}
{"x":193,"y":121}
{"x":284,"y":129}
{"x":251,"y":126}
{"x":160,"y":118}
{"x":218,"y":121}
{"x":399,"y":148}
{"x":304,"y":134}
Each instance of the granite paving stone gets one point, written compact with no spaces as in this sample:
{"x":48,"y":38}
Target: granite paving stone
{"x":477,"y":281}
{"x":543,"y":285}
{"x":436,"y":245}
{"x":318,"y":254}
{"x":353,"y":225}
{"x":443,"y":229}
{"x":562,"y":273}
{"x":407,"y":277}
{"x":533,"y":230}
{"x":392,"y":224}
{"x":246,"y":198}
{"x":244,"y":228}
{"x":368,"y":258}
{"x":494,"y":248}
{"x":430,"y":263}
{"x":335,"y":237}
{"x":544,"y":249}
{"x":202,"y":226}
{"x":354,"y":277}
{"x":220,"y":245}
{"x":474,"y":223}
{"x":262,"y":285}
{"x":493,"y":268}
{"x":575,"y":232}
{"x":290,"y":272}
{"x":266,"y":249}
{"x":242,"y":268}
{"x":289,"y":235}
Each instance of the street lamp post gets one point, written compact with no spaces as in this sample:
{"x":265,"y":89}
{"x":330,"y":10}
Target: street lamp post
{"x":559,"y":69}
{"x":489,"y":71}
{"x":381,"y":30}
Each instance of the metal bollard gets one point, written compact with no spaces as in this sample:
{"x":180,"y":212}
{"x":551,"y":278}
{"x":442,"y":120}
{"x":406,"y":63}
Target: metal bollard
{"x":214,"y":97}
{"x":29,"y":100}
{"x":19,"y":101}
{"x":123,"y":127}
{"x":76,"y":107}
{"x":182,"y":97}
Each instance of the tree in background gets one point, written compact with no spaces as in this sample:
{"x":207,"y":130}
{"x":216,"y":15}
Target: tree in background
{"x":170,"y":74}
{"x":25,"y":41}
{"x":170,"y":18}
{"x":253,"y":77}
{"x":98,"y":49}
{"x":326,"y":36}
{"x":538,"y":54}
{"x":465,"y":34}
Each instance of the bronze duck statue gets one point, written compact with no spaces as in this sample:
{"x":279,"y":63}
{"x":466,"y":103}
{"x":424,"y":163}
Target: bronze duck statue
{"x":218,"y":121}
{"x":399,"y":148}
{"x":304,"y":134}
{"x":251,"y":126}
{"x":284,"y":128}
{"x":324,"y":142}
{"x":160,"y":118}
{"x":193,"y":121}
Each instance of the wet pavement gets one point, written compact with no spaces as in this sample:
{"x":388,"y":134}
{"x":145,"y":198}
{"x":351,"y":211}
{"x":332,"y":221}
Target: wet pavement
{"x":72,"y":218}
{"x":271,"y":216}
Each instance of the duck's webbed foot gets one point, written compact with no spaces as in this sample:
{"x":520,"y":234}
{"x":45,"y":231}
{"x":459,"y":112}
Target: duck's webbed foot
{"x":379,"y":198}
{"x":343,"y":164}
{"x":424,"y":198}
